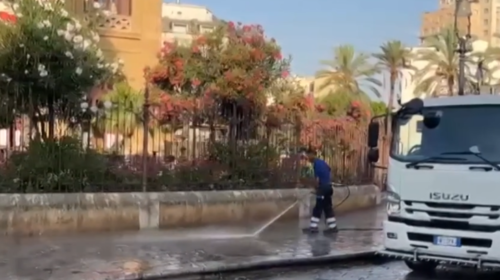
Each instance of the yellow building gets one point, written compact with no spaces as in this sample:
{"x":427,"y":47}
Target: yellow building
{"x":132,"y":33}
{"x":313,"y":84}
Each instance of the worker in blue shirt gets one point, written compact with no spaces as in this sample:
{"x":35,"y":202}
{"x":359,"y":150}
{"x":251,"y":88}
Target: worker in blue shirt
{"x":324,"y":191}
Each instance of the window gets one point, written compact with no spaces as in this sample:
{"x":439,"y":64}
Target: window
{"x":486,"y":32}
{"x":311,"y":87}
{"x":115,"y":7}
{"x":179,"y":28}
{"x":486,"y":21}
{"x":486,"y":10}
{"x":420,"y":125}
{"x":206,"y":29}
{"x":478,"y":127}
{"x":183,"y":41}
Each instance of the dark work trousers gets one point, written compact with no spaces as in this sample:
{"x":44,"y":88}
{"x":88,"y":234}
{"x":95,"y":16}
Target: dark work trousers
{"x":323,"y":206}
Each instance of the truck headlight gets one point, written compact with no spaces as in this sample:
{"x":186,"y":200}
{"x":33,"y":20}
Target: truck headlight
{"x":393,"y":204}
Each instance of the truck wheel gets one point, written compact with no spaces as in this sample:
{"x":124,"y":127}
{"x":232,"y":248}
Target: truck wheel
{"x":422,"y":267}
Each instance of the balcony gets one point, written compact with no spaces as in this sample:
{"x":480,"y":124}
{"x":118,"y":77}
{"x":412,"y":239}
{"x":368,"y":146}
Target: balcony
{"x":118,"y":15}
{"x":118,"y":23}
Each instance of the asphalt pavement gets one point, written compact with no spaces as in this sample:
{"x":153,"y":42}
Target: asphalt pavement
{"x":119,"y":255}
{"x":358,"y":271}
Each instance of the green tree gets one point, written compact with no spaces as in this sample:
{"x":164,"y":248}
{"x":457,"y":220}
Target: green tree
{"x":443,"y":64}
{"x":378,"y":108}
{"x":48,"y":60}
{"x":349,"y":71}
{"x":482,"y":62}
{"x":122,"y":113}
{"x":393,"y":57}
{"x":125,"y":113}
{"x":336,"y":103}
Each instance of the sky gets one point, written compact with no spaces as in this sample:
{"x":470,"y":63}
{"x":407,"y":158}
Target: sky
{"x":308,"y":30}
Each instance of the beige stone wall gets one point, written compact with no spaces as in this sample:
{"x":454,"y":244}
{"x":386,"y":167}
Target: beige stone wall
{"x":36,"y":214}
{"x":135,"y":39}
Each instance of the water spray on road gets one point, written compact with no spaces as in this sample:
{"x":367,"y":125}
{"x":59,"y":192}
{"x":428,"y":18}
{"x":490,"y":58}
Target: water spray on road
{"x":273,"y":220}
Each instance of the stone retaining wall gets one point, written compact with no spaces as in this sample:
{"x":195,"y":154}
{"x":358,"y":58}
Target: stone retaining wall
{"x":34,"y":214}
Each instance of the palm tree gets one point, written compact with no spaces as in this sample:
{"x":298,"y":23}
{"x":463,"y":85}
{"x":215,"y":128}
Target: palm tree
{"x":442,"y":64}
{"x":125,"y":115}
{"x":484,"y":63}
{"x":349,"y":71}
{"x":393,"y":57}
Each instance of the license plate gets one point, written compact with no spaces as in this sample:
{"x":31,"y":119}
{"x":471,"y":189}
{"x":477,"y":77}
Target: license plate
{"x":447,"y":241}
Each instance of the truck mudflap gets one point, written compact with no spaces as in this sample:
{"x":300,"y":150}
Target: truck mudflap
{"x":478,"y":261}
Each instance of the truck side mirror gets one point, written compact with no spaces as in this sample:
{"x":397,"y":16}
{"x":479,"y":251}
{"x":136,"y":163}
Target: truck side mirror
{"x":373,"y":155}
{"x":432,"y":120}
{"x":373,"y":133}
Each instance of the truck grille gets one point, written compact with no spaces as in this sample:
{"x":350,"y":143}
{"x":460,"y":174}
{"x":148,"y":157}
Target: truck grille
{"x":439,"y":210}
{"x":452,"y":216}
{"x":443,"y":224}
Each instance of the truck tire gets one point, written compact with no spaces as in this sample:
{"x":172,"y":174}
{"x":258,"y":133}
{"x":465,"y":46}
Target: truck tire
{"x":422,"y":267}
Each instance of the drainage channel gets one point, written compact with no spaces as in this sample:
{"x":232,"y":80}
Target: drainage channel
{"x":368,"y":269}
{"x":296,"y":272}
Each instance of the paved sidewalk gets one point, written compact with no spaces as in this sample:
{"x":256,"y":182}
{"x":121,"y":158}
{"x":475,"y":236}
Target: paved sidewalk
{"x":112,"y":256}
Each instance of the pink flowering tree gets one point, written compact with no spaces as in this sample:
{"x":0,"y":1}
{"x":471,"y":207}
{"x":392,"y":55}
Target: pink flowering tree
{"x":224,"y":74}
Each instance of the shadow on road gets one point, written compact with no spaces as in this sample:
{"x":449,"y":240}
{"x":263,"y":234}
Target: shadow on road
{"x":455,"y":273}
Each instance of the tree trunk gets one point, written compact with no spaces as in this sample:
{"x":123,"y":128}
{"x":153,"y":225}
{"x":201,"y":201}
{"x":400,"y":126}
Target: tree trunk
{"x":99,"y":143}
{"x":388,"y":123}
{"x":211,"y":125}
{"x":52,"y":119}
{"x":450,"y":86}
{"x":390,"y":102}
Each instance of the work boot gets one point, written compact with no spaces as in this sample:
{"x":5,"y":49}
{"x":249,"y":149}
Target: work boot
{"x":331,"y":231}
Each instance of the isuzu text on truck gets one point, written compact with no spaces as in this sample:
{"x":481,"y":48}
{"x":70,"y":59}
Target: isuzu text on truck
{"x":443,"y":182}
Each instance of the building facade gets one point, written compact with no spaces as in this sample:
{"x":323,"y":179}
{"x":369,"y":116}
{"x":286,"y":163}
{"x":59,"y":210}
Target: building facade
{"x":131,"y":33}
{"x":312,"y":85}
{"x":183,"y":22}
{"x":434,"y":22}
{"x":484,"y":20}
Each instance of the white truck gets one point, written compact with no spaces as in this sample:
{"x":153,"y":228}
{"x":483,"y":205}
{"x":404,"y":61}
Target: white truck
{"x":443,"y":182}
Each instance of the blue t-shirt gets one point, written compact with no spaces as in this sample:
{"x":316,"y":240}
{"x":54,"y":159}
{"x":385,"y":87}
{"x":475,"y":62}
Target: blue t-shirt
{"x":323,"y":172}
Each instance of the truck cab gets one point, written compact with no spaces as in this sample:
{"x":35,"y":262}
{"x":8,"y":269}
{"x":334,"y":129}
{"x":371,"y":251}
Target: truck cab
{"x":443,"y":182}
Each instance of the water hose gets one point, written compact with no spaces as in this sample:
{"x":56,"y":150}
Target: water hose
{"x":336,"y":185}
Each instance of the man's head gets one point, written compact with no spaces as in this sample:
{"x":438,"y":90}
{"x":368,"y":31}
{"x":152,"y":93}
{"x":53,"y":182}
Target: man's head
{"x":309,"y":154}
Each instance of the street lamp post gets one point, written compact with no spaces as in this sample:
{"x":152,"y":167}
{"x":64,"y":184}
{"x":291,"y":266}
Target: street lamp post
{"x":462,"y":9}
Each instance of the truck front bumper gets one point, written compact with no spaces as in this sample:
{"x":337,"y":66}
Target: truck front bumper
{"x":416,"y":244}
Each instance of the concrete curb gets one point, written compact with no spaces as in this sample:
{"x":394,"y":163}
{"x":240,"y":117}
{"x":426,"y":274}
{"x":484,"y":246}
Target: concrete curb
{"x":258,"y":264}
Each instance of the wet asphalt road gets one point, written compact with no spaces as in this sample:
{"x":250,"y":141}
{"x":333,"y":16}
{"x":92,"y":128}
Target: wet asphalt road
{"x":107,"y":256}
{"x":372,"y":270}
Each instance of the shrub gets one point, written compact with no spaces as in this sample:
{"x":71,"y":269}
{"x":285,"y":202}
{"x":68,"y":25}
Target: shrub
{"x":55,"y":166}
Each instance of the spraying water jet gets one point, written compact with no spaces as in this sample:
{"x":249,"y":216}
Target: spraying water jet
{"x":266,"y":225}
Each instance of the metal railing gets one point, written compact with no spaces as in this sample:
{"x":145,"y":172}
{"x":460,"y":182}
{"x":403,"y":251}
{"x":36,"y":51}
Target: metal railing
{"x":126,"y":146}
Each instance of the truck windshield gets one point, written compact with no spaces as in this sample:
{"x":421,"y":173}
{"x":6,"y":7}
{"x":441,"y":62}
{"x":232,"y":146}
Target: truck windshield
{"x":460,"y":128}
